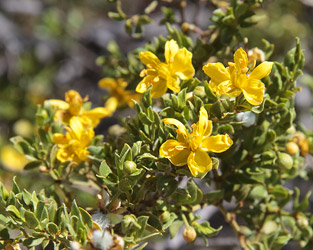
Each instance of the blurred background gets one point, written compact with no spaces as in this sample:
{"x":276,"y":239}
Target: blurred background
{"x":48,"y":47}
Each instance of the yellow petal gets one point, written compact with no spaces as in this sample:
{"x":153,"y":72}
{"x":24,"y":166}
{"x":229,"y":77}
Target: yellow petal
{"x":182,"y":65}
{"x":173,"y":84}
{"x":111,"y":105}
{"x":58,"y":104}
{"x":107,"y":83}
{"x":59,"y":138}
{"x":261,"y":71}
{"x":12,"y":159}
{"x":217,"y":72}
{"x":162,"y":70}
{"x":175,"y":151}
{"x":253,"y":91}
{"x":199,"y":162}
{"x":203,"y":127}
{"x":228,"y":88}
{"x":76,"y":127}
{"x":241,"y":58}
{"x":86,"y":138}
{"x":159,"y":88}
{"x":64,"y":155}
{"x":149,"y":59}
{"x":217,"y":143}
{"x":144,"y":84}
{"x":75,"y":101}
{"x":171,"y":48}
{"x":180,"y":127}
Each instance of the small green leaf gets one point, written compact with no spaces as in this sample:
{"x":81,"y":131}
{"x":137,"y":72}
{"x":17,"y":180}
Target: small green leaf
{"x":31,"y":219}
{"x":13,"y":210}
{"x":206,"y":229}
{"x":104,"y":170}
{"x":174,"y":227}
{"x":32,"y":165}
{"x":15,"y":187}
{"x":86,"y":217}
{"x":52,"y":228}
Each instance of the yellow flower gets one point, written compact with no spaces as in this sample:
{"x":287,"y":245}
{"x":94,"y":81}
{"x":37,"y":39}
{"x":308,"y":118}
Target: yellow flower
{"x":73,"y":145}
{"x":192,"y":148}
{"x":162,"y":75}
{"x":73,"y":107}
{"x":238,"y":78}
{"x":117,"y":92}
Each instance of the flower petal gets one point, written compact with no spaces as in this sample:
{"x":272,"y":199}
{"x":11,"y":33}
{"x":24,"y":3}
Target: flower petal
{"x":199,"y":162}
{"x":227,"y":88}
{"x":240,"y":58}
{"x":180,"y":127}
{"x":59,"y":138}
{"x":175,"y":151}
{"x":75,"y":101}
{"x":76,"y":127}
{"x":217,"y":72}
{"x":149,"y":59}
{"x":58,"y":104}
{"x":111,"y":104}
{"x":64,"y":155}
{"x":107,"y":83}
{"x":261,"y":71}
{"x":217,"y":143}
{"x":203,"y":127}
{"x":253,"y":91}
{"x":144,"y":84}
{"x":171,"y":48}
{"x":159,"y":88}
{"x":182,"y":65}
{"x":173,"y":84}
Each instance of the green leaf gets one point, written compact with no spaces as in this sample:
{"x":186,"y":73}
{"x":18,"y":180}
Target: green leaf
{"x":174,"y":227}
{"x":27,"y":197}
{"x":32,"y":165}
{"x":206,"y":229}
{"x":303,"y":205}
{"x":31,"y":219}
{"x":142,"y":221}
{"x":86,"y":217}
{"x":169,"y":222}
{"x":14,"y":211}
{"x":104,"y":169}
{"x":52,"y":228}
{"x":32,"y":242}
{"x":15,"y":187}
{"x":75,"y":209}
{"x":166,"y":185}
{"x":136,"y":148}
{"x":215,"y":196}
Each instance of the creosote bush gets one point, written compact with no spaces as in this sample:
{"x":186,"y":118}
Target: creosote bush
{"x":214,"y":123}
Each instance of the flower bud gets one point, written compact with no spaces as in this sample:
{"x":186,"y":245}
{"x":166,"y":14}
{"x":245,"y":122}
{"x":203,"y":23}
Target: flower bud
{"x":285,"y":161}
{"x":165,"y":216}
{"x":130,"y":167}
{"x":189,"y":234}
{"x":41,"y":116}
{"x":292,"y":148}
{"x":185,"y":27}
{"x":199,"y":91}
{"x":302,"y":222}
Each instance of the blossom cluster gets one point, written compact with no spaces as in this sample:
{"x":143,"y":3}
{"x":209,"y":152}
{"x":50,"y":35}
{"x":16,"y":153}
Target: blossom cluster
{"x":191,"y":148}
